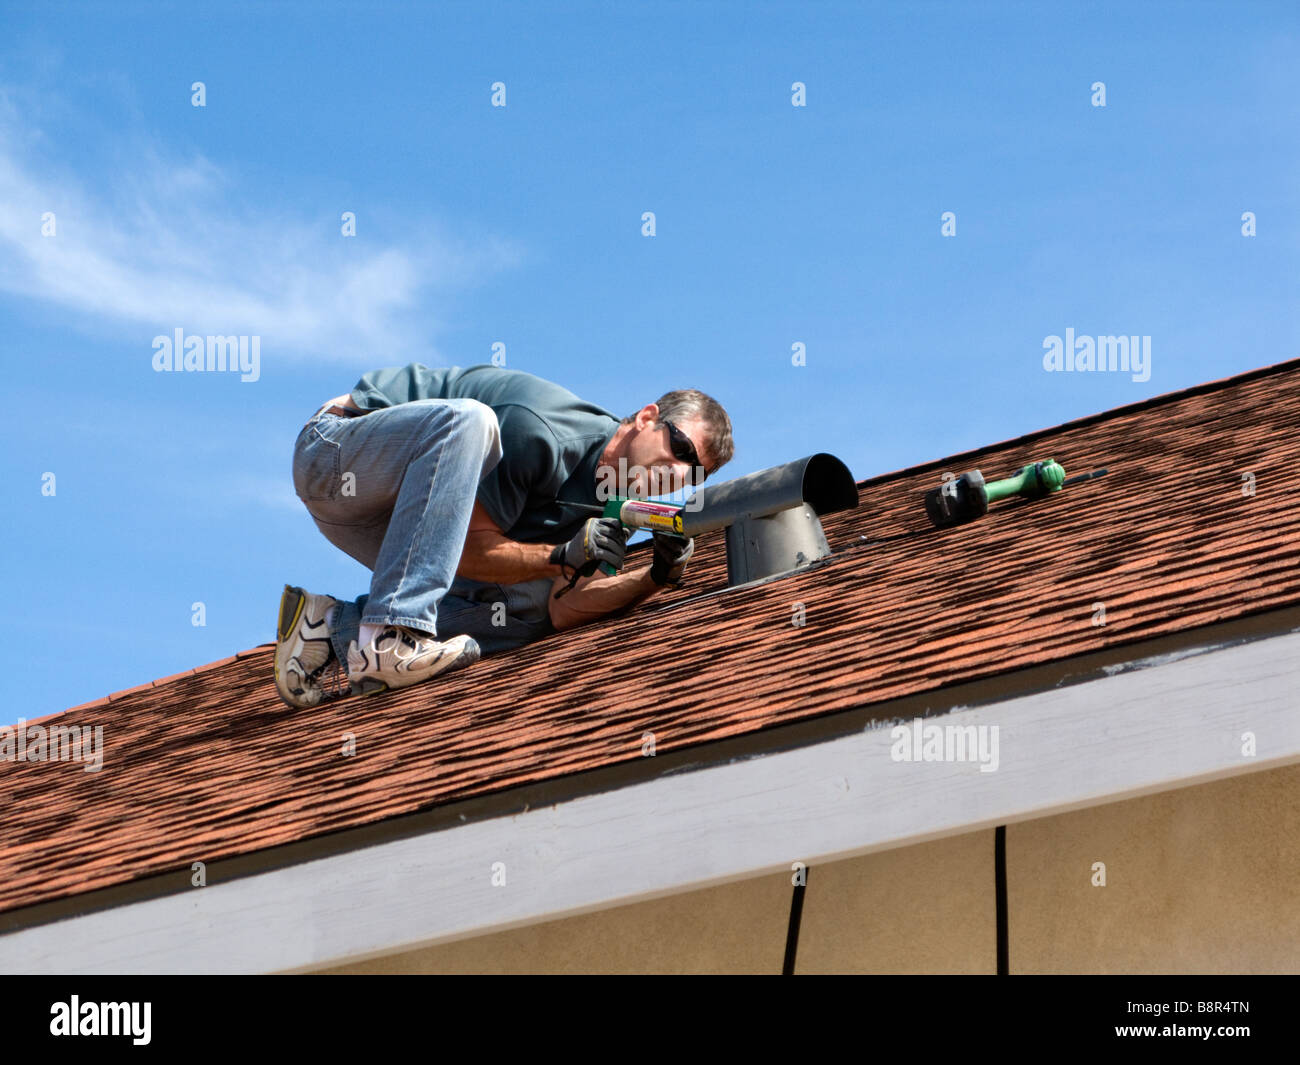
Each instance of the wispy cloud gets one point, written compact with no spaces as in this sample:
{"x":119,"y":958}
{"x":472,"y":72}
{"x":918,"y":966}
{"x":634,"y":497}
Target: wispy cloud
{"x":262,"y":492}
{"x":162,"y":242}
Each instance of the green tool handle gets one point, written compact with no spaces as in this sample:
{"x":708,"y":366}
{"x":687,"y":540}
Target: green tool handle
{"x":1032,"y":482}
{"x":613,"y":509}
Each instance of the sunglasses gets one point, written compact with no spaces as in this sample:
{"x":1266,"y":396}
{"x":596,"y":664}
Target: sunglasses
{"x":683,"y":449}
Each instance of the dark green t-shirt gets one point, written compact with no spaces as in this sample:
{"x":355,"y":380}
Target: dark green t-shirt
{"x":551,"y":441}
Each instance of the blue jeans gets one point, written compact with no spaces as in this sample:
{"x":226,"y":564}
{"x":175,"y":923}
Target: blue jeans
{"x":394,"y":489}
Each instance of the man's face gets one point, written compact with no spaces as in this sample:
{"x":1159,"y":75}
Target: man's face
{"x":653,"y":468}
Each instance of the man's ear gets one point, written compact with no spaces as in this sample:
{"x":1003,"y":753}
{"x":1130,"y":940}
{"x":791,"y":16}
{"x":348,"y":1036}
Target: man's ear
{"x":647,"y":415}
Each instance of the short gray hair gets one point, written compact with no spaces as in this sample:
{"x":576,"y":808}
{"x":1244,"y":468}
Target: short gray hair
{"x":692,"y":403}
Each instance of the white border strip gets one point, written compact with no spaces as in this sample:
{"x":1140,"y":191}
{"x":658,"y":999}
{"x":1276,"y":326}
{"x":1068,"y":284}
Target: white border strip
{"x":1139,"y":731}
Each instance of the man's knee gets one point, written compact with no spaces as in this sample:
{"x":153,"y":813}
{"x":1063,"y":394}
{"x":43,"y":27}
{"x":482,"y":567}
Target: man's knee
{"x":462,"y":416}
{"x":460,"y":412}
{"x":473,"y":417}
{"x":473,"y":410}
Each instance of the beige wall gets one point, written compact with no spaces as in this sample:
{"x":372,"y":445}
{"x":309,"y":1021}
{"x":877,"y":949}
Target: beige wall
{"x":1198,"y":880}
{"x":1203,"y":879}
{"x":928,"y":908}
{"x":736,"y":928}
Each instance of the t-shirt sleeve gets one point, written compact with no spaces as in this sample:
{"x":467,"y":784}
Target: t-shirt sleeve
{"x":528,"y":472}
{"x":399,"y":384}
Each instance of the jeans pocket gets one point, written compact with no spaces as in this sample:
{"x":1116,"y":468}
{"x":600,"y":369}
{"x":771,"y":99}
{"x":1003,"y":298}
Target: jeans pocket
{"x":316,"y":466}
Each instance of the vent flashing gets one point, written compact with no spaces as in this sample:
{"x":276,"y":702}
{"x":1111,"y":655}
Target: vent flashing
{"x":771,"y":516}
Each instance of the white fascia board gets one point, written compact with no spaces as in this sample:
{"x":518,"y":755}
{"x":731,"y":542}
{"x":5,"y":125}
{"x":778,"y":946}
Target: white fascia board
{"x":1152,"y":725}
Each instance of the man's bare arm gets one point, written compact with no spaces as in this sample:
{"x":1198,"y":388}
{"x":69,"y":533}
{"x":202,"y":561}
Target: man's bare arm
{"x":595,"y":596}
{"x":488,"y":556}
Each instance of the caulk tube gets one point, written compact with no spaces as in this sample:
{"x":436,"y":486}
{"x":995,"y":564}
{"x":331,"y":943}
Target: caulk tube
{"x":663,"y":518}
{"x":643,"y":514}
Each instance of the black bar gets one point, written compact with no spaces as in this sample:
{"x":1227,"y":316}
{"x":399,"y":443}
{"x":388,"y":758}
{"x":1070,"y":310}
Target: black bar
{"x":792,"y":935}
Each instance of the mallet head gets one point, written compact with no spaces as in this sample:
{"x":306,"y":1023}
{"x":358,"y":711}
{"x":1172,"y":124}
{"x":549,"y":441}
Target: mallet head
{"x":959,"y":500}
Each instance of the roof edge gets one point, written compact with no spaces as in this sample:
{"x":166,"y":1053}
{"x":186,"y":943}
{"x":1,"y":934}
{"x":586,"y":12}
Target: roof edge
{"x":1019,"y":683}
{"x":217,"y":928}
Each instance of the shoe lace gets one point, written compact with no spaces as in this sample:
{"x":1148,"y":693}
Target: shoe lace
{"x":402,"y":637}
{"x":331,"y":677}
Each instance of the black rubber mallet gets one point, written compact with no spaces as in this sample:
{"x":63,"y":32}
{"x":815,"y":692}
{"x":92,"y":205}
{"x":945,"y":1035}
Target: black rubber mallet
{"x":967,"y":497}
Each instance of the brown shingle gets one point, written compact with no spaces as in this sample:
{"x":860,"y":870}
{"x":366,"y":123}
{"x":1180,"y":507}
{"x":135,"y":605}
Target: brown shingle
{"x":214,"y":665}
{"x":210,"y":764}
{"x":175,"y":676}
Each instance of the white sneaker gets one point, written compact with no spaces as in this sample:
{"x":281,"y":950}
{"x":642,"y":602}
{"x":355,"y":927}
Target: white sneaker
{"x":399,"y":657}
{"x":303,"y":653}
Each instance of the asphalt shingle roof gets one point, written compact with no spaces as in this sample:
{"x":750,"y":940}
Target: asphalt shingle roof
{"x":209,"y":764}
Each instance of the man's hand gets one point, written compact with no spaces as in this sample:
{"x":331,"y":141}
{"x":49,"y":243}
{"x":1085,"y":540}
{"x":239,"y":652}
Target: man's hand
{"x":599,"y":540}
{"x":671,"y":556}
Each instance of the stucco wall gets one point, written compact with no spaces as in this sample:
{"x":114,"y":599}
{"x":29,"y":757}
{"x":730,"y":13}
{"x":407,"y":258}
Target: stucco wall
{"x":1202,"y":879}
{"x":736,"y":928}
{"x":1198,"y":880}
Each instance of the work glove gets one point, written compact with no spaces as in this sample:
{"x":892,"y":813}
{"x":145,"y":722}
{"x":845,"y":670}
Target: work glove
{"x":599,"y":540}
{"x":671,"y":556}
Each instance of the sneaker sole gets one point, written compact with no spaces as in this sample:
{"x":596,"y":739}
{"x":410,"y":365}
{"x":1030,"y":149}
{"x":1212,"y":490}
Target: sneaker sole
{"x":293,"y":601}
{"x":374,"y":686}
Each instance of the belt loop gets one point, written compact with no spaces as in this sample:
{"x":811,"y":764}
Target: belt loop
{"x":322,"y":410}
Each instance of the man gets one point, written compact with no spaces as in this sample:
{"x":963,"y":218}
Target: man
{"x":456,"y":488}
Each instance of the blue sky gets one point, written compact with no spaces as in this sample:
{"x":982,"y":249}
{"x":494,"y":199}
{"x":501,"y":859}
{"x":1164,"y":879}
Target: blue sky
{"x":521,"y":224}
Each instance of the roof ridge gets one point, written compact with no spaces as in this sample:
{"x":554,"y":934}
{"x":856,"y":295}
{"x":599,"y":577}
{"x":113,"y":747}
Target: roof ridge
{"x":1089,"y":419}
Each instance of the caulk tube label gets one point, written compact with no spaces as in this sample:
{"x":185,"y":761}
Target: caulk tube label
{"x":640,"y":514}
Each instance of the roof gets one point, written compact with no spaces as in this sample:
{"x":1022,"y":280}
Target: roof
{"x":208,"y":765}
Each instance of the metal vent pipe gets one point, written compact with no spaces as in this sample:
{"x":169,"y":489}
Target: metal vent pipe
{"x":771,"y":516}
